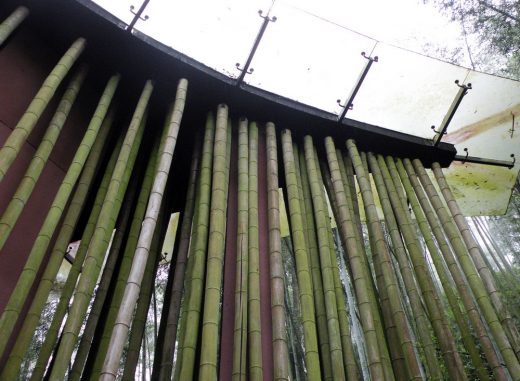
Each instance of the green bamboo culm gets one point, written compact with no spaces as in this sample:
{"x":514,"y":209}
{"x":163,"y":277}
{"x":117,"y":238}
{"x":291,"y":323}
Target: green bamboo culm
{"x":9,"y":25}
{"x":423,"y":330}
{"x":475,"y":253}
{"x":381,"y":255}
{"x":475,"y":282}
{"x":179,"y":275}
{"x":216,"y":248}
{"x":422,"y":214}
{"x":68,"y":289}
{"x":359,"y":274}
{"x":280,"y":349}
{"x":312,"y":359}
{"x":254,"y":327}
{"x":124,"y":317}
{"x":137,"y":333}
{"x":324,"y":250}
{"x":103,"y":288}
{"x":35,"y":258}
{"x":63,"y":239}
{"x":349,"y":356}
{"x":102,"y":234}
{"x":241,"y":289}
{"x":311,"y":239}
{"x":40,"y":157}
{"x":126,"y":264}
{"x":188,"y":336}
{"x":25,"y":125}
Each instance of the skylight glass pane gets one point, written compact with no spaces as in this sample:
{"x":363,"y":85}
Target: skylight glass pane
{"x":307,"y":59}
{"x":406,"y":92}
{"x":216,"y":33}
{"x":120,"y":8}
{"x":484,"y":124}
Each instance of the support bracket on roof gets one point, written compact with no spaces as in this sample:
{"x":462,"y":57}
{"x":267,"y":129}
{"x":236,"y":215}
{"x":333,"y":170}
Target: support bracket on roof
{"x":246,"y":70}
{"x":138,"y":15}
{"x":478,"y":160}
{"x":463,"y":90}
{"x":350,"y":102}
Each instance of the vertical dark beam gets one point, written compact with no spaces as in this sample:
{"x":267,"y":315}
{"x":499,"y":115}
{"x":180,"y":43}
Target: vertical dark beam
{"x":228,"y":299}
{"x":265,"y":279}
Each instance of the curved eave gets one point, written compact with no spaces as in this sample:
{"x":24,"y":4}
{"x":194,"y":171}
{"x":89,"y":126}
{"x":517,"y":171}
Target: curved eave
{"x":138,"y":57}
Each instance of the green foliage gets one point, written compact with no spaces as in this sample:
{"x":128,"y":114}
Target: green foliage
{"x":494,"y":25}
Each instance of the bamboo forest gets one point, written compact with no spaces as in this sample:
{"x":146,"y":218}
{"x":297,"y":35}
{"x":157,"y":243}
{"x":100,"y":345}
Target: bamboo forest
{"x":162,"y":221}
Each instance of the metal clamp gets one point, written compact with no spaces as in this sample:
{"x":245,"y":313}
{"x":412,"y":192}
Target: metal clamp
{"x":350,"y":100}
{"x":463,"y":90}
{"x":246,"y":70}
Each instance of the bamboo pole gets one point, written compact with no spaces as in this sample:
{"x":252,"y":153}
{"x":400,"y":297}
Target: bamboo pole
{"x":189,"y":326}
{"x":24,"y":127}
{"x":124,"y":268}
{"x":349,"y":357}
{"x":314,"y":261}
{"x":475,"y":282}
{"x":9,"y":25}
{"x":389,"y":281}
{"x":241,"y":287}
{"x":446,"y":282}
{"x":474,"y":251}
{"x":101,"y":236}
{"x":278,"y":313}
{"x":359,"y":273}
{"x":438,"y":319}
{"x":35,"y":258}
{"x":216,"y":247}
{"x":321,"y":218}
{"x":253,"y":290}
{"x":312,"y":360}
{"x":45,"y":285}
{"x":170,"y":333}
{"x":346,"y":169}
{"x":70,"y":284}
{"x":124,"y":318}
{"x":137,"y":332}
{"x":106,"y":280}
{"x":423,"y":329}
{"x":40,"y":157}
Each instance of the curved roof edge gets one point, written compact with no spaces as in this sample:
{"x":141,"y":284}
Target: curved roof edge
{"x":138,"y":57}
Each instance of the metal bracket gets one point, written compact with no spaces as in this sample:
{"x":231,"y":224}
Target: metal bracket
{"x":463,"y":90}
{"x":138,"y":15}
{"x":478,"y":160}
{"x":350,"y":102}
{"x":246,"y":70}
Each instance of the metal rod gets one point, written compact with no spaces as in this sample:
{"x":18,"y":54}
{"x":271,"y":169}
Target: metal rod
{"x":245,"y":70}
{"x":137,"y":15}
{"x":350,"y":103}
{"x":479,"y":160}
{"x":463,"y":90}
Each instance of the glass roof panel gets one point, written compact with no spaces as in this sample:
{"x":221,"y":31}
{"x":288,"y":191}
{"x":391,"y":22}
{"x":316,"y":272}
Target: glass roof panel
{"x":406,"y":91}
{"x":316,"y":64}
{"x":216,"y":33}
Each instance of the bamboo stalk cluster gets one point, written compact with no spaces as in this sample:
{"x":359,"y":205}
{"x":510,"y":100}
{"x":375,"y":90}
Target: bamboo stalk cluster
{"x":412,"y":281}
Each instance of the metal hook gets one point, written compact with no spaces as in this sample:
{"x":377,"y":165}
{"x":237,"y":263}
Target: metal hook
{"x":249,"y":71}
{"x":465,"y":158}
{"x":137,"y":14}
{"x":514,"y":160}
{"x":463,"y":86}
{"x":350,"y":106}
{"x":438,"y":132}
{"x":271,"y":19}
{"x":374,"y":59}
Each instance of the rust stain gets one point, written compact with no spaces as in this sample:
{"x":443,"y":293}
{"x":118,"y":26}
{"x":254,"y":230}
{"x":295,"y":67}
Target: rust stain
{"x":483,"y":125}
